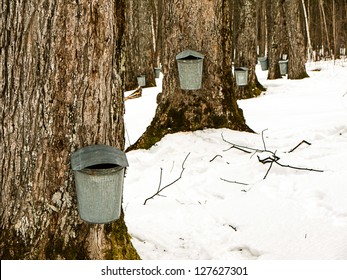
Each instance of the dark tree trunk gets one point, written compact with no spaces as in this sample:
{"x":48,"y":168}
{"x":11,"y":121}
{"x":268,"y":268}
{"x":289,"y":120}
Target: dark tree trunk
{"x":139,"y":42}
{"x":297,"y":53}
{"x":61,"y":89}
{"x":276,"y":36}
{"x":203,"y":26}
{"x":262,"y":28}
{"x":246,"y":46}
{"x":158,"y":7}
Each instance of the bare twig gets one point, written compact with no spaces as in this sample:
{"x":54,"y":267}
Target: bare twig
{"x":273,"y":158}
{"x":267,"y":172}
{"x":234,"y":182}
{"x":262,"y":137}
{"x":173,"y":182}
{"x":297,"y":146}
{"x":234,"y":228}
{"x":299,"y":168}
{"x":215,"y":157}
{"x":239,"y":147}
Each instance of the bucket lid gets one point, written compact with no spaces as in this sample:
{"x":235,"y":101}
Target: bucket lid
{"x":97,"y":154}
{"x":189,"y":53}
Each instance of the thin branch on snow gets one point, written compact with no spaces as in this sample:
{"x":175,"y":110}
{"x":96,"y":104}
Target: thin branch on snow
{"x":262,"y":137}
{"x":266,"y":160}
{"x":216,"y":157}
{"x":299,"y":168}
{"x":297,"y":146}
{"x":234,"y":228}
{"x":233,"y":182}
{"x":239,"y":147}
{"x":173,"y":182}
{"x":273,"y":158}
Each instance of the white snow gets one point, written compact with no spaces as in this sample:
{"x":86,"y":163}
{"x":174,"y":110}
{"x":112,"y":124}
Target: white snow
{"x":291,"y":214}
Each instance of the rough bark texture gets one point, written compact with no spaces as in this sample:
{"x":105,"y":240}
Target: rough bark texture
{"x":139,"y":42}
{"x":61,"y":89}
{"x":203,"y":26}
{"x":277,"y":36}
{"x":295,"y":32}
{"x":245,"y":22}
{"x":261,"y":27}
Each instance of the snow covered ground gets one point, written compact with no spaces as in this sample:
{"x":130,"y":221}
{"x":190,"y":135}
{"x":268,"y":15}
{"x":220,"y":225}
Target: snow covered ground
{"x":291,"y":214}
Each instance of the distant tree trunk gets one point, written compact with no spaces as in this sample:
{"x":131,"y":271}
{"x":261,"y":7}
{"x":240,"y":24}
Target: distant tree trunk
{"x":276,"y":35}
{"x":297,"y":53}
{"x":309,"y":44}
{"x":61,"y":89}
{"x":324,"y":22}
{"x":262,"y":27}
{"x":139,"y":43}
{"x":246,"y":47}
{"x":203,"y":26}
{"x":157,"y":26}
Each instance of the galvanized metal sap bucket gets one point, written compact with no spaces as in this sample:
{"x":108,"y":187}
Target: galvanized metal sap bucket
{"x":157,"y":72}
{"x":283,"y":67}
{"x":99,"y":177}
{"x":189,"y":65}
{"x":264,"y":63}
{"x":141,"y":80}
{"x":241,"y":76}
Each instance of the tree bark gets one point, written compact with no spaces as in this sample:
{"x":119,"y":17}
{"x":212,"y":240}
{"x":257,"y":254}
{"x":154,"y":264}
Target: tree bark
{"x":203,"y":26}
{"x":297,"y":53}
{"x":246,"y":48}
{"x":61,"y":67}
{"x":262,"y":28}
{"x":139,"y":42}
{"x":308,"y":36}
{"x":277,"y":38}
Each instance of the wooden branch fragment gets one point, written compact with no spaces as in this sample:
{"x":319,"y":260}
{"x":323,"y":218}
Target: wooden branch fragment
{"x":234,"y":228}
{"x":297,"y":146}
{"x":273,"y":158}
{"x":262,"y":137}
{"x":267,"y":172}
{"x":299,"y":168}
{"x":239,"y":147}
{"x":173,"y":182}
{"x":216,"y":157}
{"x":233,"y":182}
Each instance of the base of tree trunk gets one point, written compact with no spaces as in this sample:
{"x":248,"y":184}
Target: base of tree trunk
{"x":110,"y":241}
{"x":188,"y":117}
{"x":249,"y":91}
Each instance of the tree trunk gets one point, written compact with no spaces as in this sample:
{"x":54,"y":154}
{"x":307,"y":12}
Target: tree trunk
{"x":157,"y":31}
{"x":246,"y":48}
{"x":324,"y":22}
{"x":61,"y":89}
{"x":309,"y":44}
{"x":203,"y":26}
{"x":139,"y":43}
{"x":277,"y":38}
{"x":262,"y":28}
{"x":297,"y":53}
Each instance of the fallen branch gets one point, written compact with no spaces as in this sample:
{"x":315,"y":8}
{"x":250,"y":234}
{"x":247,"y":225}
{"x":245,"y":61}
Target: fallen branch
{"x":299,"y":168}
{"x":297,"y":146}
{"x":272,"y":158}
{"x":216,"y":157}
{"x":234,"y":228}
{"x":233,"y":182}
{"x":262,"y":137}
{"x":173,"y":182}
